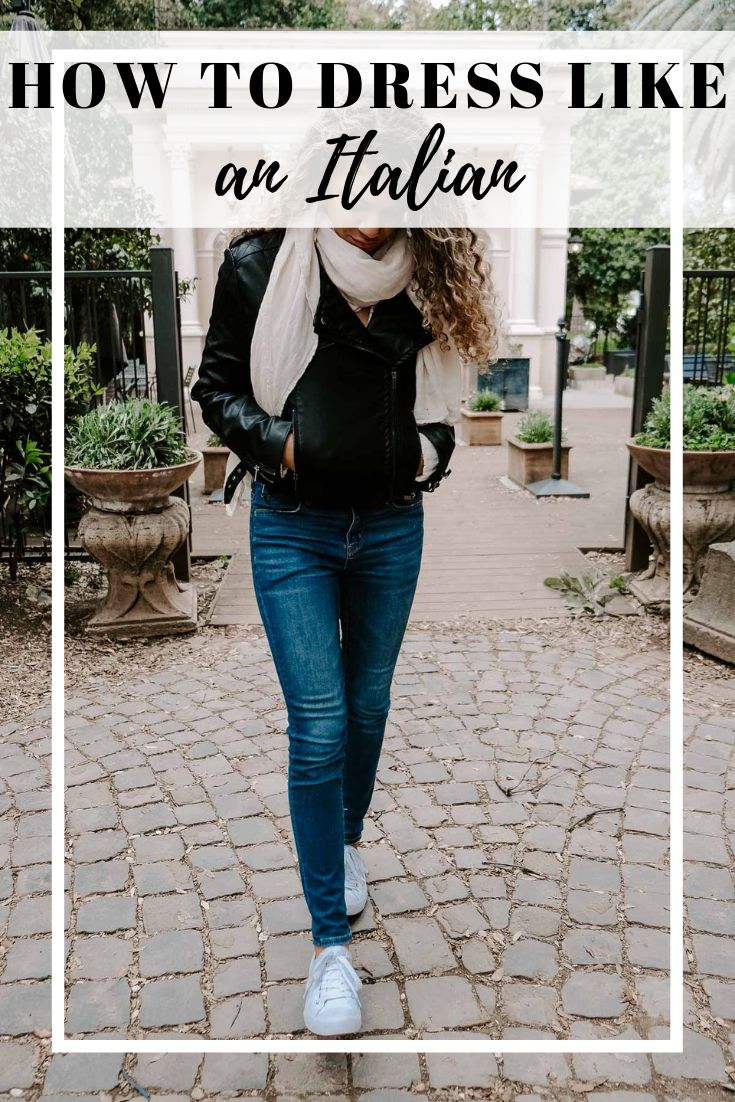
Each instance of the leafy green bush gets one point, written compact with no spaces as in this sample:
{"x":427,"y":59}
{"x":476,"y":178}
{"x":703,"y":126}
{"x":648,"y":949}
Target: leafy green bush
{"x":127,"y":436}
{"x":79,"y":388}
{"x":484,"y":401}
{"x":25,"y":422}
{"x":709,"y":420}
{"x":213,"y":441}
{"x":536,"y":427}
{"x":25,"y":386}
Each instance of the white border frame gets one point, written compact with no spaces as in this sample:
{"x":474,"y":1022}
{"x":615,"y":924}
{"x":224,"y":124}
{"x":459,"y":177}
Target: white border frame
{"x":60,"y":1043}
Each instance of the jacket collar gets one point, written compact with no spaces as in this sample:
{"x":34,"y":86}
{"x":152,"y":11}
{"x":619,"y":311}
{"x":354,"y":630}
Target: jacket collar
{"x":395,"y":332}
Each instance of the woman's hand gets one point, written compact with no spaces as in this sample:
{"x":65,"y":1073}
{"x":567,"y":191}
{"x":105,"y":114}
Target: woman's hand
{"x":288,"y":455}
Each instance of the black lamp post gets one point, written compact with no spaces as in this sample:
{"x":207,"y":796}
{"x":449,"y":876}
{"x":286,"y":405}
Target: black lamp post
{"x":556,"y":486}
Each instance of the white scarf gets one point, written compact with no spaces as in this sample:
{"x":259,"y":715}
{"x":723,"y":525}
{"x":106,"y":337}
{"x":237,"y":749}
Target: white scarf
{"x":284,"y":341}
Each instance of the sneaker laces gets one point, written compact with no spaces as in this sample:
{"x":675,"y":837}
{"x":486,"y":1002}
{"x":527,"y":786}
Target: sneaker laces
{"x":355,"y":868}
{"x":336,"y":973}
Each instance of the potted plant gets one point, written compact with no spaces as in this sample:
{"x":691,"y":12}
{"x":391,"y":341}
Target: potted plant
{"x":127,"y":458}
{"x":482,"y":419}
{"x":531,"y":449}
{"x":709,"y":501}
{"x":214,"y":456}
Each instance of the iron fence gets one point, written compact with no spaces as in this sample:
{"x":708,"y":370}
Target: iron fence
{"x":106,"y":309}
{"x":709,"y":325}
{"x":25,"y":301}
{"x":113,"y":311}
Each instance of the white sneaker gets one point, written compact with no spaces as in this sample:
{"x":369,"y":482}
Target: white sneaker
{"x":332,"y":998}
{"x":356,"y":892}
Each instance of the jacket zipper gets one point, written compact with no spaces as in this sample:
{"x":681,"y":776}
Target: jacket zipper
{"x":269,"y":475}
{"x":294,"y":472}
{"x":393,"y":434}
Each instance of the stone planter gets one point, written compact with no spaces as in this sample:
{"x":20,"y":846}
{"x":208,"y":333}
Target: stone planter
{"x":709,"y":516}
{"x":215,"y":465}
{"x":534,"y":462}
{"x":624,"y":384}
{"x":482,"y":426}
{"x":709,"y":621}
{"x":133,"y":527}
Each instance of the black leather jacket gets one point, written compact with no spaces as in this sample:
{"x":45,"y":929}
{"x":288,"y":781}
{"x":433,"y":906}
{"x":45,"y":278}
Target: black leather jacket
{"x":356,"y":441}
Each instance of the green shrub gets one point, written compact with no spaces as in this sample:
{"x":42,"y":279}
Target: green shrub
{"x":25,"y":386}
{"x":80,"y":390}
{"x":536,"y":427}
{"x":484,"y":401}
{"x":25,"y":422}
{"x":213,"y":441}
{"x":708,"y":422}
{"x":127,"y":436}
{"x":656,"y":431}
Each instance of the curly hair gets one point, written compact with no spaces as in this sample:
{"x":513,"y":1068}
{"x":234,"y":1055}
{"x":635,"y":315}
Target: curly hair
{"x":453,"y":284}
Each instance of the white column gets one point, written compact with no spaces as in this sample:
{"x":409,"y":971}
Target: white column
{"x":523,"y":325}
{"x":552,"y":298}
{"x":183,"y":238}
{"x":523,"y":281}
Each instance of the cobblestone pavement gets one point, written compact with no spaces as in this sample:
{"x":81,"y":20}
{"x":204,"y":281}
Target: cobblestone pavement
{"x":518,"y":878}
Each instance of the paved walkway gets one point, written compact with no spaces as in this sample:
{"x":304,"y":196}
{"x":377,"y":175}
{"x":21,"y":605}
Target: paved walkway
{"x":518,"y":859}
{"x":483,"y":555}
{"x":514,"y":778}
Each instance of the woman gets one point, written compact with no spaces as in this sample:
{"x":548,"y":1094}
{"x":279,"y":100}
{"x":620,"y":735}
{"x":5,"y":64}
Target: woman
{"x":332,"y":370}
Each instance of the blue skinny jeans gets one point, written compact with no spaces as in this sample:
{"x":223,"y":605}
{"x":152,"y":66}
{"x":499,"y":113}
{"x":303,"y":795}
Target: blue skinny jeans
{"x":334,"y":588}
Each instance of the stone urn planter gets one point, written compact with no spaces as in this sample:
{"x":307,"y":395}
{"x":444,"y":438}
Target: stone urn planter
{"x":133,"y":527}
{"x":482,"y":426}
{"x":214,"y":462}
{"x":709,"y":516}
{"x":534,"y":462}
{"x":709,"y":620}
